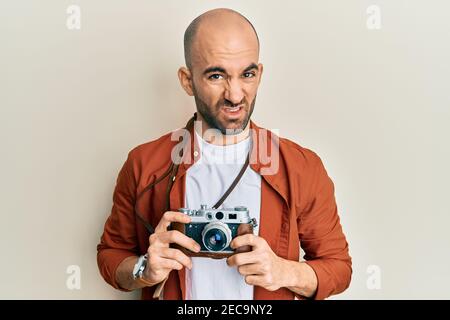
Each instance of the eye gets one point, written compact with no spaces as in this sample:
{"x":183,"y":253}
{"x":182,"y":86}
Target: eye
{"x":215,"y":76}
{"x":249,"y":75}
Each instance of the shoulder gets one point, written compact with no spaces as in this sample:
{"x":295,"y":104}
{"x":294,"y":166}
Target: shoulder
{"x":305,"y":165}
{"x":290,"y":151}
{"x":294,"y":157}
{"x":151,"y":147}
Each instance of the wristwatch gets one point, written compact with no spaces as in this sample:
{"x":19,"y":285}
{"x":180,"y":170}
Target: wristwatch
{"x":139,"y":267}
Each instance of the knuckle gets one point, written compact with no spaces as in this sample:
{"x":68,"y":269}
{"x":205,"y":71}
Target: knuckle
{"x":153,"y":237}
{"x":153,"y":251}
{"x":166,"y":217}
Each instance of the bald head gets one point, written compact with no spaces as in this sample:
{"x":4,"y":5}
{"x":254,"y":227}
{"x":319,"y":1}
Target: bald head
{"x":224,"y":26}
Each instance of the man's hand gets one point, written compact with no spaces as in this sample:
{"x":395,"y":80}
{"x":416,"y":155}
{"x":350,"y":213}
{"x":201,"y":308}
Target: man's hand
{"x":261,"y":266}
{"x":161,"y":258}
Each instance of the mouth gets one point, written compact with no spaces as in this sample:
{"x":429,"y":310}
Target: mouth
{"x":232,"y":112}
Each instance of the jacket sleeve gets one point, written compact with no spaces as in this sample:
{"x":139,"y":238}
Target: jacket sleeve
{"x":321,"y":236}
{"x":119,"y":239}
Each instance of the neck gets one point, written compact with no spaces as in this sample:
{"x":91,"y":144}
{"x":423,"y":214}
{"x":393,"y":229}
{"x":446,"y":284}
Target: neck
{"x":216,"y":137}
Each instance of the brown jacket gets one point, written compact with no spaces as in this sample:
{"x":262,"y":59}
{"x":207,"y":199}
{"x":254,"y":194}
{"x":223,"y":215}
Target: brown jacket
{"x":298,"y":208}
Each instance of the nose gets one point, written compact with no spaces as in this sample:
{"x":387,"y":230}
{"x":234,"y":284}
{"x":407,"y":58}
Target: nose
{"x":234,"y":92}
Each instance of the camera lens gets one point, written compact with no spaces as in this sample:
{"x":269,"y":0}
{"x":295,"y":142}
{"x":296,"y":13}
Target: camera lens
{"x":216,"y":236}
{"x":219,"y":215}
{"x":215,"y":240}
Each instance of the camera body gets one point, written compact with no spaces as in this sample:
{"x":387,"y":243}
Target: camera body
{"x":214,"y":229}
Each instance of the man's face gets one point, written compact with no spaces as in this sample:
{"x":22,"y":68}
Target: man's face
{"x":225,"y":78}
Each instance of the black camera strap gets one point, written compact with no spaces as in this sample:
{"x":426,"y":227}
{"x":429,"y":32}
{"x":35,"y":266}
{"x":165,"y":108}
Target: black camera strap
{"x":235,"y":182}
{"x":172,"y":172}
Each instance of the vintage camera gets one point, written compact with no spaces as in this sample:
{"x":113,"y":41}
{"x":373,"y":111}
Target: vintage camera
{"x":214,"y":229}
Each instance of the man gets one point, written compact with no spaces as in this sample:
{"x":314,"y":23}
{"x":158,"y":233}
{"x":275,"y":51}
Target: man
{"x":294,"y":203}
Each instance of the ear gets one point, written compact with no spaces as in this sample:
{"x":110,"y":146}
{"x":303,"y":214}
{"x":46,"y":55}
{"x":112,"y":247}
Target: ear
{"x":260,"y":71}
{"x":185,"y":77}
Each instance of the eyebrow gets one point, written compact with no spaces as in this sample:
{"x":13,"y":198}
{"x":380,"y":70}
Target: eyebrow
{"x":222,"y":70}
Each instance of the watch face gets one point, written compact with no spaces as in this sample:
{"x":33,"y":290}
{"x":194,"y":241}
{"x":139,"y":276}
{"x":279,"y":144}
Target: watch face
{"x":139,"y":267}
{"x":135,"y":269}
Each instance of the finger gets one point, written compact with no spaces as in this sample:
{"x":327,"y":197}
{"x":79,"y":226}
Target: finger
{"x":245,"y":240}
{"x":171,"y":264}
{"x":240,"y":259}
{"x":176,"y":255}
{"x":250,"y":269}
{"x":169,"y":217}
{"x":254,"y":280}
{"x":179,"y":238}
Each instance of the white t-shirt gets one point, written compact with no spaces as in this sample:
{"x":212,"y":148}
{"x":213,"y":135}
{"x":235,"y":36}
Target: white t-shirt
{"x":206,"y":181}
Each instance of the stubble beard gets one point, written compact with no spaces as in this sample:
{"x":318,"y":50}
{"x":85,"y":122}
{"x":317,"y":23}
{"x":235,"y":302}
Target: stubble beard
{"x":210,"y":115}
